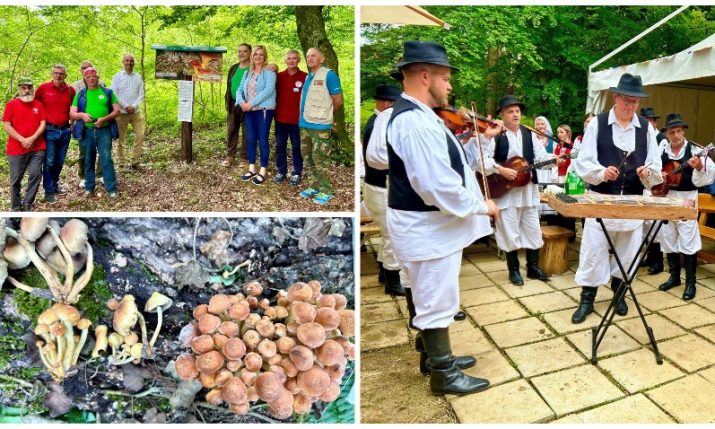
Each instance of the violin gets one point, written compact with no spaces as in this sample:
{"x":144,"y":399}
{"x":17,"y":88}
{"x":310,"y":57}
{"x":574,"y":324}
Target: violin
{"x":673,"y":172}
{"x":451,"y":115}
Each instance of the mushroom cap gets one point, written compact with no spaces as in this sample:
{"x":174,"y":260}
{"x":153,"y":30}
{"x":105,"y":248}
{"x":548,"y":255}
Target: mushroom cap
{"x":340,"y":301}
{"x":267,"y":348}
{"x":285,"y":344}
{"x":268,"y":386}
{"x":200,"y":310}
{"x":239,"y":311}
{"x":219,"y":303}
{"x":115,"y":339}
{"x":219,"y":339}
{"x":209,"y":362}
{"x":311,"y":334}
{"x":331,"y":393}
{"x":208,"y":380}
{"x":234,"y":365}
{"x":229,"y":328}
{"x":112,"y":304}
{"x":281,"y":330}
{"x":266,"y":328}
{"x":136,"y":350}
{"x":214,"y":397}
{"x":282,"y":408}
{"x":251,"y":320}
{"x":84,"y":324}
{"x":264,"y":303}
{"x":347,"y":322}
{"x":253,"y":361}
{"x":336,"y":372}
{"x":186,"y":367}
{"x":326,"y":301}
{"x":291,"y":384}
{"x":58,"y":329}
{"x":74,"y":236}
{"x":32,"y":228}
{"x":302,"y":312}
{"x":277,"y":369}
{"x":15,"y":255}
{"x":42,"y":329}
{"x":251,"y":394}
{"x":302,"y":404}
{"x":328,"y":318}
{"x":126,"y":315}
{"x":223,"y":376}
{"x":48,"y":317}
{"x":315,"y":286}
{"x":302,"y":357}
{"x":69,"y":314}
{"x":234,"y":348}
{"x":252,"y":288}
{"x":251,"y":338}
{"x":156,"y":301}
{"x":46,"y":243}
{"x":131,"y":339}
{"x":240,"y":409}
{"x":330,"y":353}
{"x":289,"y":367}
{"x":208,"y":323}
{"x":202,"y":344}
{"x":313,"y":382}
{"x":252,"y":301}
{"x":248,"y":377}
{"x":56,"y":261}
{"x":234,"y":391}
{"x":300,"y":292}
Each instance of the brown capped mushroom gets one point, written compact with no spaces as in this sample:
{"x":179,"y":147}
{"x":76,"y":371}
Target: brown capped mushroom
{"x":253,"y":361}
{"x":311,"y":334}
{"x":223,"y":376}
{"x":326,"y":301}
{"x":331,"y":393}
{"x":302,"y":357}
{"x":200,"y":310}
{"x":265,"y":328}
{"x":234,"y":391}
{"x":347,"y":322}
{"x":340,"y":301}
{"x":208,"y":380}
{"x":302,"y":312}
{"x":251,"y":338}
{"x":268,"y":386}
{"x":252,"y":288}
{"x":208,"y":323}
{"x":234,"y":348}
{"x":239,"y":311}
{"x":202,"y":344}
{"x":330,"y":353}
{"x":186,"y":367}
{"x":209,"y":362}
{"x":214,"y":397}
{"x":219,"y":339}
{"x":328,"y":318}
{"x":301,"y":404}
{"x":240,"y":409}
{"x":248,"y":377}
{"x":288,"y":367}
{"x":285,"y":344}
{"x":267,"y":349}
{"x":15,"y":255}
{"x":314,"y":381}
{"x":100,"y":340}
{"x":219,"y":303}
{"x":229,"y":328}
{"x":282,"y":408}
{"x":300,"y":292}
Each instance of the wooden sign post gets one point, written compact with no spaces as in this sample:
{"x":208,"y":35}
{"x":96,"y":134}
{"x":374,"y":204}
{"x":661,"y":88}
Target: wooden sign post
{"x":188,"y":64}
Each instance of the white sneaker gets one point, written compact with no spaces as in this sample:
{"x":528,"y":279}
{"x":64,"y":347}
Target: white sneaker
{"x":100,"y":180}
{"x":81,"y":183}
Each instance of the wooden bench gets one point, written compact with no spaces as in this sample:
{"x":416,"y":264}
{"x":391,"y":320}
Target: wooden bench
{"x":368,"y":228}
{"x":554,"y":254}
{"x":706,"y":207}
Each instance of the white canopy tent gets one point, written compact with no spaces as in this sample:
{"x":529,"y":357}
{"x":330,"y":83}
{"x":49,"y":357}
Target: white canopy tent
{"x":683,"y":83}
{"x":399,"y":15}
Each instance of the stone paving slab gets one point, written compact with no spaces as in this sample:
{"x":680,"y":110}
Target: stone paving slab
{"x":516,"y":332}
{"x":633,"y":409}
{"x":659,"y":300}
{"x":702,"y":273}
{"x":708,"y":374}
{"x":477,"y":281}
{"x":689,"y":352}
{"x":638,"y":370}
{"x":689,"y":400}
{"x":707,"y":332}
{"x":564,"y":391}
{"x":484,"y":295}
{"x":500,"y":278}
{"x":560,"y":321}
{"x":656,"y":280}
{"x":708,"y":303}
{"x":639,"y":287}
{"x":492,"y":366}
{"x":604,"y":293}
{"x":491,"y":266}
{"x":565,"y":281}
{"x":515,"y":402}
{"x":468,"y":341}
{"x":601,"y":307}
{"x":689,"y":316}
{"x":488,"y":314}
{"x":544,"y":356}
{"x":662,"y":328}
{"x":708,"y":282}
{"x":469,"y":269}
{"x":616,"y":341}
{"x":530,"y":287}
{"x":386,"y":334}
{"x":378,"y":313}
{"x":370,"y":281}
{"x":701,"y":292}
{"x":548,"y":302}
{"x":374,"y":295}
{"x":481,"y":257}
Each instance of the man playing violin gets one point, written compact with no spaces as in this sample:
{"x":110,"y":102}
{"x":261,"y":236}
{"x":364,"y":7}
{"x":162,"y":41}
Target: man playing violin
{"x":518,"y":224}
{"x":682,"y":236}
{"x":619,"y":155}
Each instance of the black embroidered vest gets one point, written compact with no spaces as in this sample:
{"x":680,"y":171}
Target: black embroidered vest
{"x":373,"y":176}
{"x":502,"y":149}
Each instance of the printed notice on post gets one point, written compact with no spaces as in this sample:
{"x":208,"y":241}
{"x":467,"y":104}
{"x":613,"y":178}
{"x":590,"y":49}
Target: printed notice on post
{"x":186,"y":100}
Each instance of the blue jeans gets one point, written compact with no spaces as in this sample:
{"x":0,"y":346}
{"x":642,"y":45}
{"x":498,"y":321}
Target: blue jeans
{"x":57,"y":141}
{"x":98,"y":141}
{"x":282,"y":133}
{"x":258,"y":125}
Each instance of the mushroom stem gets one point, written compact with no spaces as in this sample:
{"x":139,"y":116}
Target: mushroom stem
{"x":156,"y":331}
{"x":43,"y":356}
{"x":42,"y":293}
{"x":83,"y":280}
{"x":78,"y":349}
{"x":60,"y":350}
{"x":142,"y":324}
{"x":47,"y":273}
{"x":69,"y":265}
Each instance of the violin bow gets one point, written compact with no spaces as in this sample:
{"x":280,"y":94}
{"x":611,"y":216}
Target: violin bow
{"x":554,"y":138}
{"x":481,"y":154}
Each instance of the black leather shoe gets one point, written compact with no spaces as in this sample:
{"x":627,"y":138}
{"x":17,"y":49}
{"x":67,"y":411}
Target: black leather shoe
{"x":463,"y":362}
{"x":655,"y":259}
{"x":460,"y":316}
{"x":585,"y":305}
{"x":512,"y":263}
{"x":380,"y":273}
{"x":392,"y":283}
{"x":621,"y":307}
{"x":532,"y":266}
{"x":691,"y":264}
{"x":445,"y":375}
{"x":674,"y":269}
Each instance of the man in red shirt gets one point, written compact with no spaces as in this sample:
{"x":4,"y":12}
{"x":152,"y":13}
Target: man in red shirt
{"x":289,"y":85}
{"x":56,"y":97}
{"x":24,"y":122}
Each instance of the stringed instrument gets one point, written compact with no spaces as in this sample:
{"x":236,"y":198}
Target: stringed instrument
{"x":673,"y":172}
{"x":499,"y":185}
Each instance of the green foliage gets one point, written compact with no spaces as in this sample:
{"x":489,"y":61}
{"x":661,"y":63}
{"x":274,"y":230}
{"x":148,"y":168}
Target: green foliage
{"x":11,"y":345}
{"x":228,"y":276}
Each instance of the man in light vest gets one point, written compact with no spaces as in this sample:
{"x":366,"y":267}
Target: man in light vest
{"x":322,"y":96}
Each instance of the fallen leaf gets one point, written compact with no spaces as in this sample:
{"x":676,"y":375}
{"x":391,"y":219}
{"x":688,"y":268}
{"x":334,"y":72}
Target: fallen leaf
{"x":56,"y":401}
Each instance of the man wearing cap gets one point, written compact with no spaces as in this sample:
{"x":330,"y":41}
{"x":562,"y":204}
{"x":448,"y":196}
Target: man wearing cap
{"x":289,"y":88}
{"x":322,"y":96}
{"x":78,"y":85}
{"x":56,"y":97}
{"x":683,"y":236}
{"x":375,"y":187}
{"x":129,"y":88}
{"x":615,"y":138}
{"x":24,"y":122}
{"x":435,"y":209}
{"x":94,"y":110}
{"x":518,"y":223}
{"x":654,"y":257}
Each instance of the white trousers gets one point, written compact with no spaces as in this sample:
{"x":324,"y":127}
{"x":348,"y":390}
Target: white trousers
{"x":682,"y":236}
{"x":435,"y":290}
{"x":376,"y":201}
{"x":518,"y":228}
{"x":646,"y":227}
{"x":596,"y":266}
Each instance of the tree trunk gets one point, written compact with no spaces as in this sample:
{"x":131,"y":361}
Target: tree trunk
{"x":311,"y":33}
{"x":142,"y":11}
{"x":492,"y":80}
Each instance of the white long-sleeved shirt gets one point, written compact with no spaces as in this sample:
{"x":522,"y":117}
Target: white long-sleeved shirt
{"x":704,"y":177}
{"x":376,"y":154}
{"x":129,"y":89}
{"x":418,"y":137}
{"x":524,"y":196}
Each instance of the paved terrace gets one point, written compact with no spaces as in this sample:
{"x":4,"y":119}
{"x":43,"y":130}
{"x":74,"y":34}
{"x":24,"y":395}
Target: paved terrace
{"x":537,"y":361}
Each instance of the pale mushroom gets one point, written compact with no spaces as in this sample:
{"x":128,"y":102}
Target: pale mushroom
{"x":83,"y":325}
{"x":157,"y":303}
{"x":33,"y":227}
{"x":74,"y":236}
{"x":100,"y":340}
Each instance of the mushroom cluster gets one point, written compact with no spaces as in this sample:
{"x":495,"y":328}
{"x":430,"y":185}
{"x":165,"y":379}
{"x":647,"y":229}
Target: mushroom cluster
{"x":288,"y":355}
{"x":124,"y":341}
{"x":61,"y":346}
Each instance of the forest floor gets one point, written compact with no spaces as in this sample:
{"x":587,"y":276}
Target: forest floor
{"x":165,"y":184}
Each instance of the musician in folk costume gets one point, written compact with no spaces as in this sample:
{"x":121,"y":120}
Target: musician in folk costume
{"x":435,"y":209}
{"x":619,"y":155}
{"x":375,"y":191}
{"x":683,"y":236}
{"x":518,"y":224}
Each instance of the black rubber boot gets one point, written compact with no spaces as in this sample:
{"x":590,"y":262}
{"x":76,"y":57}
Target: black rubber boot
{"x":621,"y":307}
{"x":460,"y":316}
{"x":655,"y":259}
{"x":674,"y":269}
{"x":532,"y":266}
{"x":585,"y":305}
{"x":381,"y":273}
{"x":691,"y":264}
{"x":512,"y":264}
{"x":392,"y":283}
{"x":410,"y":307}
{"x":463,"y":362}
{"x":445,"y":375}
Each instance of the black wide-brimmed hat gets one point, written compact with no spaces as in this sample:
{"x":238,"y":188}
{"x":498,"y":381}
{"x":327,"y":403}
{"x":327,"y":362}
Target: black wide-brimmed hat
{"x":387,"y":92}
{"x":416,"y":51}
{"x":510,"y":100}
{"x":673,"y":120}
{"x":630,"y":86}
{"x":649,"y":112}
{"x":397,"y":75}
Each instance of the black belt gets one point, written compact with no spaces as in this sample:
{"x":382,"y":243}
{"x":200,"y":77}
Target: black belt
{"x":59,"y":127}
